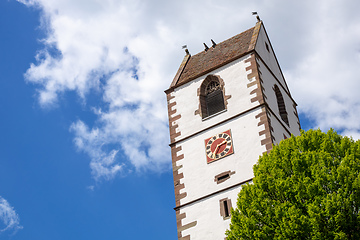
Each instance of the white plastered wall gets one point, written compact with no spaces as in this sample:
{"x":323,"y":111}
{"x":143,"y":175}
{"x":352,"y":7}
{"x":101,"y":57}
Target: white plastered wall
{"x":187,"y":101}
{"x":209,"y":223}
{"x":199,"y":175}
{"x":269,"y":79}
{"x":268,"y":56}
{"x":268,"y":83}
{"x":279,"y":130}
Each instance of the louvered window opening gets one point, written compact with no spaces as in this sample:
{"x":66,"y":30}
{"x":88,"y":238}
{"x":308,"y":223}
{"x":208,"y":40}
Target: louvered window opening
{"x":215,"y":102}
{"x":281,"y":105}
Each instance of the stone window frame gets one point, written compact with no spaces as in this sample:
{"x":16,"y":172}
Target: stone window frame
{"x":201,"y":92}
{"x":222,"y":177}
{"x":281,"y":104}
{"x":225,"y":208}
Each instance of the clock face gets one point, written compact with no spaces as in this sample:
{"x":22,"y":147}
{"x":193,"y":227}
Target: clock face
{"x":218,"y":146}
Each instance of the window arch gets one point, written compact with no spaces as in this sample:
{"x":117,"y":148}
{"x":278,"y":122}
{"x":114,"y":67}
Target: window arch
{"x":211,"y":96}
{"x":281,"y":105}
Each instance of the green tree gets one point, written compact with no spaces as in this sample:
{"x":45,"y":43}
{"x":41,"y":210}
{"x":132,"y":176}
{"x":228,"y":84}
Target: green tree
{"x":307,"y":187}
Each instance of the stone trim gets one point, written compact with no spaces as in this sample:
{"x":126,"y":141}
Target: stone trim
{"x":262,"y":88}
{"x":227,"y":202}
{"x":222,"y":177}
{"x":187,"y":226}
{"x":185,"y":238}
{"x":259,"y":96}
{"x":176,"y":175}
{"x":175,"y":156}
{"x":173,"y":126}
{"x":179,"y":218}
{"x":180,"y":227}
{"x":257,"y":93}
{"x":297,"y":116}
{"x":267,"y":132}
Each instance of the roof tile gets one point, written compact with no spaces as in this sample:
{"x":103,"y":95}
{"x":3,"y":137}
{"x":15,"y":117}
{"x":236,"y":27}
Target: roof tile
{"x":223,"y":53}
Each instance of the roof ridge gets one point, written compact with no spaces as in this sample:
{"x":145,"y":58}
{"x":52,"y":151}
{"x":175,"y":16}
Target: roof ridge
{"x":220,"y":43}
{"x":223,"y":53}
{"x":180,"y":70}
{"x":255,"y":35}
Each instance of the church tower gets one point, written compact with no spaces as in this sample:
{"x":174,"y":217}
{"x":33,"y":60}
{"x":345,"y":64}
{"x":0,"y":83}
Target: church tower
{"x":227,"y":106}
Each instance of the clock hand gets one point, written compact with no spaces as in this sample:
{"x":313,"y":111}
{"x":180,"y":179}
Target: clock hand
{"x":222,"y":143}
{"x":214,"y":153}
{"x":217,"y":148}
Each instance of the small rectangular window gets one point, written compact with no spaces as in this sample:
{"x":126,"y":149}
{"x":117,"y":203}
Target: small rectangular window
{"x":222,"y":177}
{"x":226,"y":176}
{"x":225,"y":208}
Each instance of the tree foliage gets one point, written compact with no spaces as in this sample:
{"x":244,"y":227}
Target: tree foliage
{"x":307,"y":187}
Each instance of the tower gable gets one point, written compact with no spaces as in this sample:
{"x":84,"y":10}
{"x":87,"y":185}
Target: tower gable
{"x":223,"y":53}
{"x":266,"y":53}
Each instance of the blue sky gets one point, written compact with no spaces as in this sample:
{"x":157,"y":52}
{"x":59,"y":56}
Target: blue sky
{"x":44,"y":178}
{"x":84,"y":141}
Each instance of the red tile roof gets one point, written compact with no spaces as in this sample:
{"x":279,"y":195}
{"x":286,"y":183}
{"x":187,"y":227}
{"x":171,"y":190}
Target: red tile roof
{"x":223,"y":53}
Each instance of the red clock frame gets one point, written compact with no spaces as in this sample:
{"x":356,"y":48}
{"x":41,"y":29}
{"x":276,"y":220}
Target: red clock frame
{"x":218,"y":146}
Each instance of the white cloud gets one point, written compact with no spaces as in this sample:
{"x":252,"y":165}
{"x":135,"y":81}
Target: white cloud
{"x":327,"y":79}
{"x":129,"y":51}
{"x":103,"y":164}
{"x":8,"y":217}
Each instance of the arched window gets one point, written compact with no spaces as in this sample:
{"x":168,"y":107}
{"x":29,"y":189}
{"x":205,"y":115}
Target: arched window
{"x":281,"y":105}
{"x":211,"y":96}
